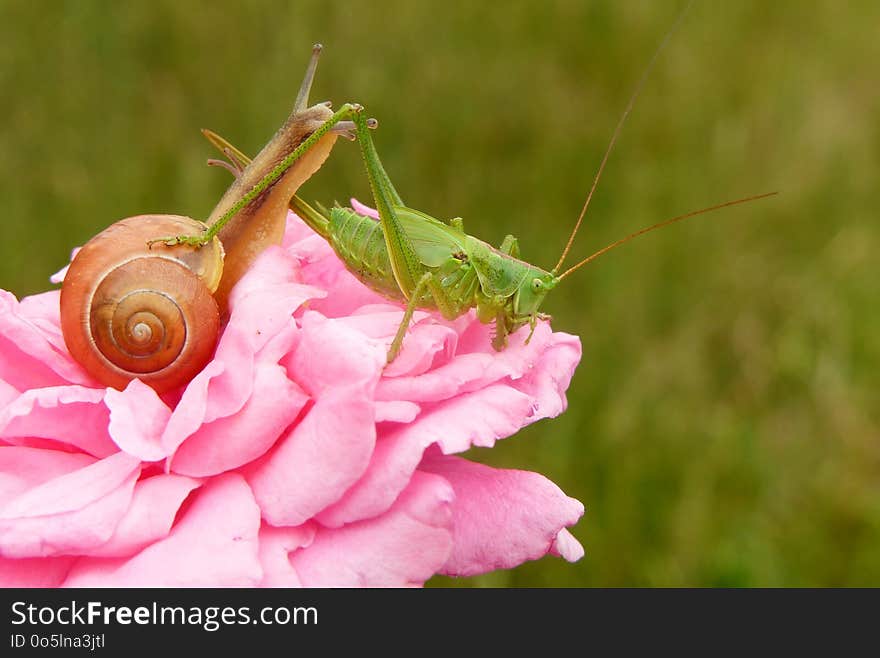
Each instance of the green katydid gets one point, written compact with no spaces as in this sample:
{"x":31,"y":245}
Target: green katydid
{"x":412,"y":257}
{"x":421,"y":261}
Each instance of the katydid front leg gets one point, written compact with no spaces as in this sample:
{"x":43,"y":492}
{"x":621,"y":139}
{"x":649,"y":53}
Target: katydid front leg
{"x":345,"y":113}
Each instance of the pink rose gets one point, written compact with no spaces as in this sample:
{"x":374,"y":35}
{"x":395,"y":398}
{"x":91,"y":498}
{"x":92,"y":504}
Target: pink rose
{"x":295,"y":458}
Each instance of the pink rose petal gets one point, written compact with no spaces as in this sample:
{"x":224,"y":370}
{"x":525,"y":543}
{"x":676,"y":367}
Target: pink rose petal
{"x":236,"y":440}
{"x":296,"y":232}
{"x":493,"y":412}
{"x":214,"y":544}
{"x":396,"y":411}
{"x":472,"y":371}
{"x":70,"y":513}
{"x":42,"y":311}
{"x":34,"y":571}
{"x":262,"y":305}
{"x":29,"y":355}
{"x":58,"y":277}
{"x":23,"y":468}
{"x":331,"y":446}
{"x":403,"y":547}
{"x":502,"y":517}
{"x":137,"y":419}
{"x":364,"y":210}
{"x":7,"y":394}
{"x":567,"y":547}
{"x":276,"y":545}
{"x":318,"y":265}
{"x":314,"y":465}
{"x":331,"y":354}
{"x":192,"y":409}
{"x":271,"y":283}
{"x":426,"y":342}
{"x":392,"y":464}
{"x":547,"y":380}
{"x":73,"y":414}
{"x":149,"y":516}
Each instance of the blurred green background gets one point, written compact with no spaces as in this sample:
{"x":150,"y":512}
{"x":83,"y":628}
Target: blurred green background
{"x":723,"y":424}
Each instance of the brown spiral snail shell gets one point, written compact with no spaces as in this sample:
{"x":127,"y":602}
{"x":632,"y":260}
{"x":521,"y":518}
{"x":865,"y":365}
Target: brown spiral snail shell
{"x":128,"y":311}
{"x":131,"y":311}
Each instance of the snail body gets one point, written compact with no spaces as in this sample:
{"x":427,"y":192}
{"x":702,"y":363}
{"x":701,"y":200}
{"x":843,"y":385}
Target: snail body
{"x":261,"y":222}
{"x":132,"y":309}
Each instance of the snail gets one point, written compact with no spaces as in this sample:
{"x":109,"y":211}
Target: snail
{"x":133,"y":309}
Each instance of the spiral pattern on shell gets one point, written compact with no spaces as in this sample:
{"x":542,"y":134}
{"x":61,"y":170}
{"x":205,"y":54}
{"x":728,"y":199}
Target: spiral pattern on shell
{"x":128,"y":311}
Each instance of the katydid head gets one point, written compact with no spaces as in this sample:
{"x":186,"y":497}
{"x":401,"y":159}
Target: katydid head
{"x":531,"y":292}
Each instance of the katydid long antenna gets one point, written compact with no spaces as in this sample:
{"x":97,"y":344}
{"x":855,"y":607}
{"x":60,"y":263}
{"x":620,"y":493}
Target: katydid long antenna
{"x":693,"y":213}
{"x":616,"y":132}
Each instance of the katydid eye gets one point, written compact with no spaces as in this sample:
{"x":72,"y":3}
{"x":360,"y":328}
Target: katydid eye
{"x":537,"y":284}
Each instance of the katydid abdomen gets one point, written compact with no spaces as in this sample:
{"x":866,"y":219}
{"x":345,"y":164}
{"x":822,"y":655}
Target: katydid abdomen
{"x":359,"y":243}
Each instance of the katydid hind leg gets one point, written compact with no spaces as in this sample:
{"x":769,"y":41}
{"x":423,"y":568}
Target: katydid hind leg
{"x":430,"y":287}
{"x":408,"y":269}
{"x":412,"y":303}
{"x":448,"y":301}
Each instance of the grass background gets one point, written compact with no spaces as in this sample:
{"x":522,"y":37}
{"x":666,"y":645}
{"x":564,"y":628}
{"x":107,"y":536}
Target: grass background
{"x":723,"y":424}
